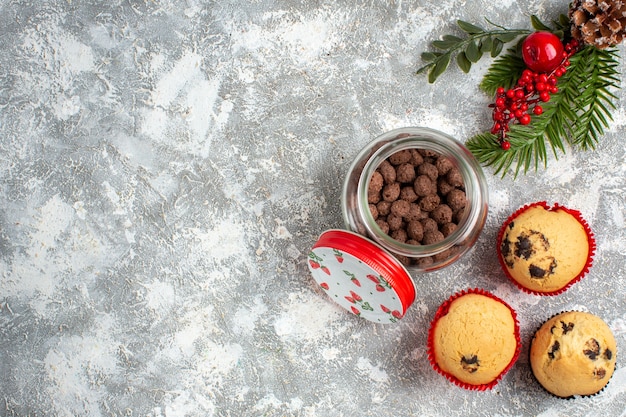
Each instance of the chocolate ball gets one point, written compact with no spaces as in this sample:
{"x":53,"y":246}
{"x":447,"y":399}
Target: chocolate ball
{"x":442,"y":214}
{"x":415,"y":230}
{"x":384,"y":208}
{"x":429,"y":202}
{"x":400,"y":157}
{"x":391,"y":192}
{"x":387,"y":171}
{"x":405,"y":173}
{"x":401,"y":208}
{"x":456,"y":199}
{"x":423,"y":185}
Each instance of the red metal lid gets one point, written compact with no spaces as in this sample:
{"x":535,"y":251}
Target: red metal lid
{"x":361,"y":276}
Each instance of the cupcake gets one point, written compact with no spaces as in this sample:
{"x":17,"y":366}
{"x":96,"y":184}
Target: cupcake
{"x":474,"y":339}
{"x":573,"y":353}
{"x":544,"y":250}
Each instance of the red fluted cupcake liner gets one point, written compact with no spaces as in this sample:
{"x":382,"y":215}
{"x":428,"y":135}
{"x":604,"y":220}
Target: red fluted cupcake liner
{"x":441,"y":312}
{"x":590,"y":239}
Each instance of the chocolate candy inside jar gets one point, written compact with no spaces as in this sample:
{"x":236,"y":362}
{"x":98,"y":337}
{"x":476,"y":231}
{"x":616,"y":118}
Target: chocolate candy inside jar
{"x":419,"y":194}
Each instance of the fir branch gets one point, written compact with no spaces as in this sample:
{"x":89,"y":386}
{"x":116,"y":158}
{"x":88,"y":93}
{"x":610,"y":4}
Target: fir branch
{"x":504,"y":72}
{"x":594,"y":72}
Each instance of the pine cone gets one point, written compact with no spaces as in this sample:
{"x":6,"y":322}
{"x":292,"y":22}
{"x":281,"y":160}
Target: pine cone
{"x":601,"y":23}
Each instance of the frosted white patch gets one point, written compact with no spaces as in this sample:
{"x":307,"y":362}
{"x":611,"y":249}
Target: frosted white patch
{"x":221,"y":118}
{"x":619,"y":121}
{"x":78,"y":366}
{"x":54,"y":217}
{"x":293,"y":252}
{"x":217,"y":360}
{"x":101,"y":37}
{"x":74,"y":55}
{"x":432,"y":118}
{"x":617,"y":385}
{"x":499,"y":200}
{"x":617,"y":214}
{"x":562,"y":170}
{"x":419,"y":24}
{"x":199,"y":104}
{"x":66,"y":107}
{"x":252,"y":37}
{"x":111,"y":193}
{"x":184,"y":98}
{"x":586,"y":200}
{"x":618,"y":326}
{"x":269,"y":401}
{"x":308,"y":318}
{"x":374,"y":373}
{"x":79,"y":207}
{"x":330,"y":354}
{"x":157,"y":63}
{"x":309,"y":38}
{"x":224,"y":241}
{"x":186,"y":70}
{"x":295,"y":404}
{"x":516,"y":298}
{"x":246,"y":75}
{"x":281,"y":232}
{"x":154,"y":123}
{"x":244,"y":319}
{"x":160,"y":296}
{"x":186,"y":404}
{"x":551,"y":412}
{"x":303,"y":38}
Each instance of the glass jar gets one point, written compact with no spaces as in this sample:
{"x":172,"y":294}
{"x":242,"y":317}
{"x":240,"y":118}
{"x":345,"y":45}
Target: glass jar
{"x":416,"y":258}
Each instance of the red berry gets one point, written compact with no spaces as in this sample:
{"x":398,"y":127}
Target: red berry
{"x":510,"y":93}
{"x":519,"y":94}
{"x":525,"y":119}
{"x":542,"y":51}
{"x":500,"y":91}
{"x":544,"y":96}
{"x":538,"y":110}
{"x":505,"y":145}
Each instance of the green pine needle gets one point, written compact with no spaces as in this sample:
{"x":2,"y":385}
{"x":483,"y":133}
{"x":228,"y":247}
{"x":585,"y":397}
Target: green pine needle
{"x":504,"y":72}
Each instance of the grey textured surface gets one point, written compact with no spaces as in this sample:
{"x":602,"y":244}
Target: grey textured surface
{"x":167,"y":165}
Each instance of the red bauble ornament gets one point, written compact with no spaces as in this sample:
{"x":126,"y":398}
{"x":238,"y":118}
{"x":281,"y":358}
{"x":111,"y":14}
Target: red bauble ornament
{"x":542,"y":51}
